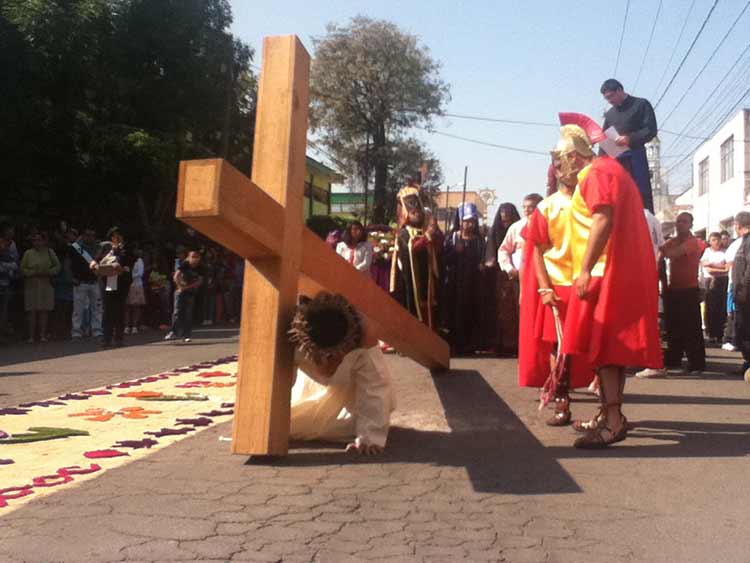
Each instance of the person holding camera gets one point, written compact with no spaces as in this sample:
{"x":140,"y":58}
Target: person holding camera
{"x":114,"y":267}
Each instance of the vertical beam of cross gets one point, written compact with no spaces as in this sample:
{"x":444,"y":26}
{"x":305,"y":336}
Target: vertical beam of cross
{"x":266,"y":366}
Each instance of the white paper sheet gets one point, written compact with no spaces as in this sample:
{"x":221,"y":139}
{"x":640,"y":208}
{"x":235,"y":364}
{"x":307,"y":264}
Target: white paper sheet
{"x":608,"y":145}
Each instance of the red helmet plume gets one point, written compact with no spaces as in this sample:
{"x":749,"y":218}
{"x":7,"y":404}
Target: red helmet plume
{"x":595,"y":133}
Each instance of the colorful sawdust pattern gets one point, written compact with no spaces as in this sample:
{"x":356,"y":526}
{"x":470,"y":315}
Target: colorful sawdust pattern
{"x":48,"y":445}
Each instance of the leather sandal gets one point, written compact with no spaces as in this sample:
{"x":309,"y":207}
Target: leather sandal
{"x":562,"y":414}
{"x":560,"y":418}
{"x":602,"y":435}
{"x":586,"y":425}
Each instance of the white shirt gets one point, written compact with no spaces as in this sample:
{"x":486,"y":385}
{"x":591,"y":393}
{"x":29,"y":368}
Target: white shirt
{"x":138,"y":269}
{"x":359,"y":257}
{"x":654,"y":229}
{"x":355,"y":403}
{"x":731,"y":254}
{"x":510,"y":251}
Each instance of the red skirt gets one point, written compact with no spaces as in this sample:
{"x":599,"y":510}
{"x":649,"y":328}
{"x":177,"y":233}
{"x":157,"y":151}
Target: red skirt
{"x":581,"y":371}
{"x":590,"y":334}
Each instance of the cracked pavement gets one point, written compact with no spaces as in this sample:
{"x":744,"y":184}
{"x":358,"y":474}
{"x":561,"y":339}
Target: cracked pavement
{"x":470,"y":473}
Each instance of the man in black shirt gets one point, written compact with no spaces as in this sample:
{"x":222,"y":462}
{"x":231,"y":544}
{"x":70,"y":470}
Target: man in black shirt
{"x":635,"y":122}
{"x":187,"y":279}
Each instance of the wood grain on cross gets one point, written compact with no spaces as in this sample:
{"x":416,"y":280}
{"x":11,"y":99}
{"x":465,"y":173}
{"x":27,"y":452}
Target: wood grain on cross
{"x":262,"y":220}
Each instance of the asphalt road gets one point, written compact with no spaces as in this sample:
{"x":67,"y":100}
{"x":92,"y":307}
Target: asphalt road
{"x":470,"y":473}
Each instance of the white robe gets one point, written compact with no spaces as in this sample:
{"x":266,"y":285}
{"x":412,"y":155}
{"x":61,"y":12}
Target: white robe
{"x":356,"y":402}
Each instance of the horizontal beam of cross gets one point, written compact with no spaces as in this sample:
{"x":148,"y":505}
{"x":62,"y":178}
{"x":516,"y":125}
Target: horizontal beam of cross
{"x":218,"y":200}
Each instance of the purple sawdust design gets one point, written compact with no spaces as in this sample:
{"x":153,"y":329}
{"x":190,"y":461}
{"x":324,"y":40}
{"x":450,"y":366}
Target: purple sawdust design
{"x":227,"y":405}
{"x":170,"y":432}
{"x":3,"y":434}
{"x":6,"y":461}
{"x":136,"y":444}
{"x":98,"y":392}
{"x":153,"y":378}
{"x":13,"y":410}
{"x":217,"y":413}
{"x":202,"y":421}
{"x":125,"y":385}
{"x":74,"y":397}
{"x":42,"y":404}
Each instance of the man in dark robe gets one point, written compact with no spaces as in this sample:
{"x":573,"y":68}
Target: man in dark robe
{"x":635,"y":122}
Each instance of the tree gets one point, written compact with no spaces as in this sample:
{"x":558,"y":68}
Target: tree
{"x":370,"y":83}
{"x":103,"y":100}
{"x":408,"y":155}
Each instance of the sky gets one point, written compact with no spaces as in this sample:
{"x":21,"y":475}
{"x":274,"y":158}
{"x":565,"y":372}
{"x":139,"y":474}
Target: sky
{"x":530,"y":60}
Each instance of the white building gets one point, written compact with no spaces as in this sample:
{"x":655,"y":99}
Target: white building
{"x":721,"y":177}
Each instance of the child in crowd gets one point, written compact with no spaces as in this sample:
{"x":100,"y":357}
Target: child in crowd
{"x":136,"y":295}
{"x":355,"y":248}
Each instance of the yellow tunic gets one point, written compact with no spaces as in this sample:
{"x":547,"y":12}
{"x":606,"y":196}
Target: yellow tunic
{"x":558,"y":260}
{"x":581,"y":219}
{"x":569,"y":223}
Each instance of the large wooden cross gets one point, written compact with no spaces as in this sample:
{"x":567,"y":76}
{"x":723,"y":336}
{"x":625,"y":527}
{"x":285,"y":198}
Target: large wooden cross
{"x":262,"y":220}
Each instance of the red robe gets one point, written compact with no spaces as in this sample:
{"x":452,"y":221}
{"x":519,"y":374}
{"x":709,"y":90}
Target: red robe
{"x":537,"y":336}
{"x":617,"y":322}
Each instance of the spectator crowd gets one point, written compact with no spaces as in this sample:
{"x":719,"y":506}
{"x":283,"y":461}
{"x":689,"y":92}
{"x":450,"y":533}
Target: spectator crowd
{"x":65,"y":283}
{"x":68,"y":284}
{"x":480,"y":266}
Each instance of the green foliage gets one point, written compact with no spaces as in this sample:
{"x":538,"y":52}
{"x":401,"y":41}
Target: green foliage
{"x":104,"y":97}
{"x":370,"y":83}
{"x":321,"y":225}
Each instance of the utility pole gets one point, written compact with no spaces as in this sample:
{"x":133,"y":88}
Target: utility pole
{"x":367,"y":174}
{"x":463,"y":197}
{"x":447,"y":204}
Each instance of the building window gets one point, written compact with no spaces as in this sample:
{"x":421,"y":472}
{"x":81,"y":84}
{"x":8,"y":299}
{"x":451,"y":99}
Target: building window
{"x":703,"y":176}
{"x":727,"y":159}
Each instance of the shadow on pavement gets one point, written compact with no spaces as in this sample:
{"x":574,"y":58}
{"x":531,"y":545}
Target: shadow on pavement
{"x":682,"y":400}
{"x":682,"y":439}
{"x":22,"y":353}
{"x":487,"y":438}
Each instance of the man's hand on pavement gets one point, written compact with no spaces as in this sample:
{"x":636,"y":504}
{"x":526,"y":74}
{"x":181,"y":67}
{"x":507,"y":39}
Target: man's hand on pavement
{"x":363,"y":449}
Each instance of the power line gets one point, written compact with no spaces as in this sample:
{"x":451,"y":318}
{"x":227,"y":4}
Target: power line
{"x":648,"y":45}
{"x":713,"y":100}
{"x":687,"y":54}
{"x":544,"y":124}
{"x":674,"y":49}
{"x":710,"y":58}
{"x":475,"y":141}
{"x":720,"y":123}
{"x":622,"y":35}
{"x":710,"y":96}
{"x":501,"y":120}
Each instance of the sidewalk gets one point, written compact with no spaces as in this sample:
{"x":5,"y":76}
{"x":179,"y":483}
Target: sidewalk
{"x":470,"y":473}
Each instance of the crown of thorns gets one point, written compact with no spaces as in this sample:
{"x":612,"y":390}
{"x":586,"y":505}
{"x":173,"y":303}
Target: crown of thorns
{"x":326,"y":325}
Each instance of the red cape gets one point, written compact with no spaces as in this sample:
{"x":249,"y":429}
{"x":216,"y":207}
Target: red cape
{"x":618,"y":324}
{"x":535,"y":340}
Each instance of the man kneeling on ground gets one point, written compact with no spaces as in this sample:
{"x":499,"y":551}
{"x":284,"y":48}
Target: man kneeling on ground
{"x":343,"y":388}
